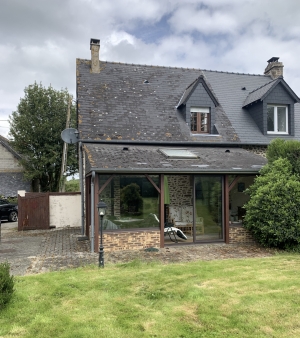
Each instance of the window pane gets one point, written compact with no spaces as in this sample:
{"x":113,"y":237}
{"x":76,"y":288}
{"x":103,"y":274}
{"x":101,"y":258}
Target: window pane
{"x":204,"y":125}
{"x":281,"y":119}
{"x":132,"y":202}
{"x":208,"y":192}
{"x":270,"y":119}
{"x":193,"y":121}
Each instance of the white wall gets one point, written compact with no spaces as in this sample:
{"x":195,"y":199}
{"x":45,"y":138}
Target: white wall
{"x":65,"y":210}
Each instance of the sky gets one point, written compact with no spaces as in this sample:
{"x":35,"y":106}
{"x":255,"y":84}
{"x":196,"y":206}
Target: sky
{"x":41,"y":39}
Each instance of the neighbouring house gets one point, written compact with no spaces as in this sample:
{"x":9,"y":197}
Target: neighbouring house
{"x":169,"y":145}
{"x":11,"y":172}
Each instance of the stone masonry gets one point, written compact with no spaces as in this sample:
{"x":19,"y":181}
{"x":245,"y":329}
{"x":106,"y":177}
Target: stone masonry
{"x":131,"y":240}
{"x":239,"y":235}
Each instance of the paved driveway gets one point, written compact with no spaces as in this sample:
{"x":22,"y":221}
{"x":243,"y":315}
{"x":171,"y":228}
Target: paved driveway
{"x":36,"y":251}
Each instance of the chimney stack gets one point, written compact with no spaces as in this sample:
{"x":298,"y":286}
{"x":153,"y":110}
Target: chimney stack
{"x":95,"y":48}
{"x":274,"y":68}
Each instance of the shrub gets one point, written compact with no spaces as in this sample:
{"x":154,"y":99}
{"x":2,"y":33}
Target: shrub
{"x":289,"y":149}
{"x":6,"y":284}
{"x":273,"y":213}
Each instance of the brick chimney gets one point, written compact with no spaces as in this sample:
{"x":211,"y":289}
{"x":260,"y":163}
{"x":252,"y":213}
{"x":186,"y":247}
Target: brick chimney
{"x":95,"y":48}
{"x":274,"y":68}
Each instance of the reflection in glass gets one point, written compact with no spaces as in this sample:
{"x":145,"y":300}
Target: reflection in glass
{"x":132,"y":201}
{"x":281,"y":116}
{"x":270,"y":119}
{"x":208,"y":204}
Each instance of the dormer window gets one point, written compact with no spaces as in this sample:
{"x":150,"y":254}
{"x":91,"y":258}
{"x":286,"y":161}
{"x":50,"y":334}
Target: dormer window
{"x":277,"y":119}
{"x":200,"y":120}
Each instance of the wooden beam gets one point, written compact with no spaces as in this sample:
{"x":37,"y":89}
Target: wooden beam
{"x":96,"y":215}
{"x":153,"y":183}
{"x":226,"y":209}
{"x":233,"y":183}
{"x":105,"y":184}
{"x":162,"y":211}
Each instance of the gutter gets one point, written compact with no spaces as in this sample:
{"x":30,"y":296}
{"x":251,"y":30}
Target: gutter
{"x":169,"y":143}
{"x":179,"y":171}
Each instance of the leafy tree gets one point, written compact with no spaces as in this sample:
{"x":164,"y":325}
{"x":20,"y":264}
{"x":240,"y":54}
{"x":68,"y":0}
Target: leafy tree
{"x":289,"y":149}
{"x":130,"y":197}
{"x":36,"y":127}
{"x":72,"y":185}
{"x":273,"y":213}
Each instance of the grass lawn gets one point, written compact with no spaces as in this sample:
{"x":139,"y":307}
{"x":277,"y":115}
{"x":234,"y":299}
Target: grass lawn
{"x":228,"y":298}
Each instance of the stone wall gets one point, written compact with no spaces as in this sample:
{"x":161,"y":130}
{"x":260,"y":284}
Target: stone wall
{"x":181,"y":190}
{"x":131,"y":240}
{"x":238,"y":234}
{"x":258,"y":150}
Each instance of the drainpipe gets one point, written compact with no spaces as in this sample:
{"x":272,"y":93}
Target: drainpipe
{"x":81,"y":186}
{"x":92,"y":211}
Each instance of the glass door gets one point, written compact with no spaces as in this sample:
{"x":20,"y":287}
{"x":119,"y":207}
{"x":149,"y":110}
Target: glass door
{"x":208,"y":208}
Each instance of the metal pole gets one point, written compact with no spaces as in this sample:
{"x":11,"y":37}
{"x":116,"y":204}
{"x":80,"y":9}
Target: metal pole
{"x":101,"y":250}
{"x":82,"y":186}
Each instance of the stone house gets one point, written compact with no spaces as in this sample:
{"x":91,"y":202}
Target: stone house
{"x":183,"y":143}
{"x":11,"y":172}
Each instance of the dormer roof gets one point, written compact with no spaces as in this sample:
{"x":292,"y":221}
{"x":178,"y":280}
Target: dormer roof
{"x":190,"y":89}
{"x":260,"y":93}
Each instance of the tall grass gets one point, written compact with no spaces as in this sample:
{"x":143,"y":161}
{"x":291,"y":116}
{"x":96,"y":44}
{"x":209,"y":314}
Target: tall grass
{"x":228,"y":298}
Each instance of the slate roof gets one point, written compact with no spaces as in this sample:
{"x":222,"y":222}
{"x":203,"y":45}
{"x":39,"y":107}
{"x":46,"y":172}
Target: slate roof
{"x":261,"y":92}
{"x":10,"y":183}
{"x":189,"y":90}
{"x":109,"y":158}
{"x":116,"y":104}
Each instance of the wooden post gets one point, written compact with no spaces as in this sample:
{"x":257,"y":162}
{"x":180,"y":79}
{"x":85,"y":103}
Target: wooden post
{"x":162,"y":210}
{"x":226,"y":209}
{"x":96,"y":215}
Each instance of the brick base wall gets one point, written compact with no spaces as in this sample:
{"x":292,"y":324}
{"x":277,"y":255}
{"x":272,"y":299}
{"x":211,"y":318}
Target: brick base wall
{"x":238,"y":234}
{"x":131,"y":240}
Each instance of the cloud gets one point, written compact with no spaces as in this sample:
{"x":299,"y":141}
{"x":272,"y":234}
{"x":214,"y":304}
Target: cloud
{"x":40,"y":39}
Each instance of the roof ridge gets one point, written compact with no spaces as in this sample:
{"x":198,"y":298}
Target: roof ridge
{"x":174,"y":67}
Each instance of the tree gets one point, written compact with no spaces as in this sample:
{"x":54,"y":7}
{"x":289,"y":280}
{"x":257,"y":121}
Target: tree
{"x":289,"y":149}
{"x":36,"y":127}
{"x":131,"y":198}
{"x":273,"y":213}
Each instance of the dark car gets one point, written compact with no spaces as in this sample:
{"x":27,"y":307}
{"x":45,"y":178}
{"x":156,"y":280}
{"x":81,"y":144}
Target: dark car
{"x":8,"y":211}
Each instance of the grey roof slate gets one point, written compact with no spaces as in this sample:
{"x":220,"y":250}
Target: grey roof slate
{"x":109,"y":158}
{"x":116,"y":104}
{"x":258,"y":93}
{"x":261,"y":92}
{"x":10,"y":183}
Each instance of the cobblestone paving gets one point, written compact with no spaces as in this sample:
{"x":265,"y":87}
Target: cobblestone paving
{"x":34,"y":252}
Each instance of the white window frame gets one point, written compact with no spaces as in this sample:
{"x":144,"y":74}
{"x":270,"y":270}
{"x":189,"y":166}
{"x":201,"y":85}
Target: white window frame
{"x":276,"y":120}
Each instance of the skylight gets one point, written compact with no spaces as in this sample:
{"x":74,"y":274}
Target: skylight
{"x":178,"y":153}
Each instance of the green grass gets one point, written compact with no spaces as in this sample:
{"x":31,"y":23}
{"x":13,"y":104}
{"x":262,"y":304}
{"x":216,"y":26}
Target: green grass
{"x":228,"y":298}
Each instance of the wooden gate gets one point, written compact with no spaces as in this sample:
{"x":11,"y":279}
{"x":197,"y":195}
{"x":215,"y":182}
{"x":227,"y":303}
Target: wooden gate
{"x":33,"y":211}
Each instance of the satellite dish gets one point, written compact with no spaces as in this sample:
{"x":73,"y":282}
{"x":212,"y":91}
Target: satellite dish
{"x":70,"y":135}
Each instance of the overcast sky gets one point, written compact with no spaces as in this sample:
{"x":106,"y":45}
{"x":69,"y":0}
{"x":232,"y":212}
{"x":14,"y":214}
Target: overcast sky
{"x":41,"y":39}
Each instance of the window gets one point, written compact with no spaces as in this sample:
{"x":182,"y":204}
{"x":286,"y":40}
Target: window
{"x":277,"y":120}
{"x":200,"y":120}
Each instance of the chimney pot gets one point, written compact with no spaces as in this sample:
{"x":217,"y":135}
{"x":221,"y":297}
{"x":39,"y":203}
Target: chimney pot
{"x":274,"y":68}
{"x":95,"y":48}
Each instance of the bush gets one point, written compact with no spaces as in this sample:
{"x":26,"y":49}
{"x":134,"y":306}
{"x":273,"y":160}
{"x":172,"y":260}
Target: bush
{"x":6,"y":284}
{"x":273,"y":213}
